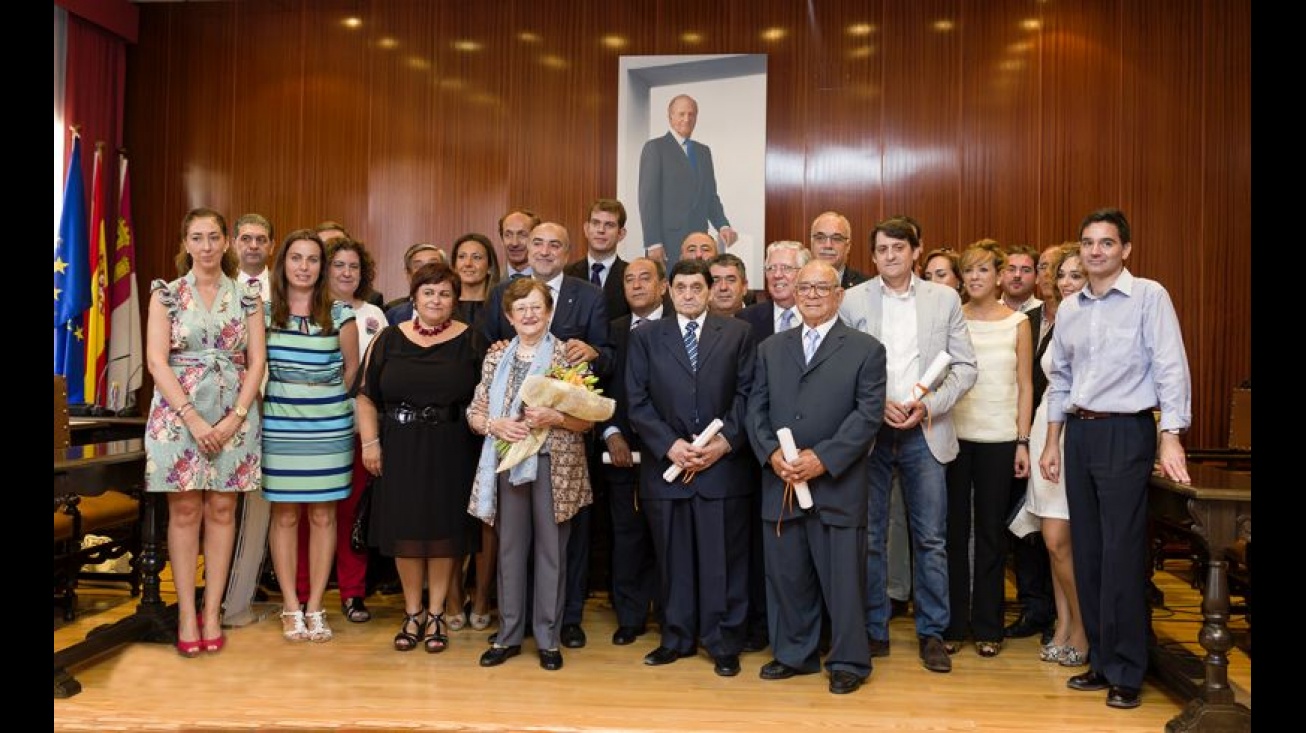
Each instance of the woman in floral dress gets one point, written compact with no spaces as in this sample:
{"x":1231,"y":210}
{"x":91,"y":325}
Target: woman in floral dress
{"x":203,"y":442}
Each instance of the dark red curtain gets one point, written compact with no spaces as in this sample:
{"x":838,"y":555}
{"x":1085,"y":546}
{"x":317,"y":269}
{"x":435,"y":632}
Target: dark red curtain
{"x":93,"y":99}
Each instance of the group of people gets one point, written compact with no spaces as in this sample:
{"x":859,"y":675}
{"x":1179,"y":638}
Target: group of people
{"x":748,"y":464}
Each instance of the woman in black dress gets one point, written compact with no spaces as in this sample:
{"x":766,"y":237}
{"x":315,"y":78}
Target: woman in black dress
{"x":416,"y":382}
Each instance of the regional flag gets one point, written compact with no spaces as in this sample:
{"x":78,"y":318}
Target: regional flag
{"x":126,"y":357}
{"x":97,"y":336}
{"x":72,"y":280}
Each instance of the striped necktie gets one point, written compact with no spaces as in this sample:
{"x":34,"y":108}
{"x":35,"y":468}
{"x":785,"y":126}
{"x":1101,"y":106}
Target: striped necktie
{"x":809,"y":347}
{"x":691,"y":344}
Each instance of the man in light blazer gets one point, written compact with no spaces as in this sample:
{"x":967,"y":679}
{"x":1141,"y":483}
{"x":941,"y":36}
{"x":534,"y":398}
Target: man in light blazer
{"x":825,"y":382}
{"x":677,"y":186}
{"x":580,"y":317}
{"x":915,"y":320}
{"x":682,"y":372}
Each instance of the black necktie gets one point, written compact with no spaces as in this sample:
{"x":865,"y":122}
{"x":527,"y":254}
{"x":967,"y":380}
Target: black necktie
{"x":515,"y":275}
{"x":595,"y":270}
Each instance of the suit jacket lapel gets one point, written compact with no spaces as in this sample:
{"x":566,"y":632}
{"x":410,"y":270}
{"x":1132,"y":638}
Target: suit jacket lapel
{"x":674,"y":342}
{"x":793,"y":345}
{"x":832,"y":342}
{"x":708,"y":339}
{"x":875,"y":307}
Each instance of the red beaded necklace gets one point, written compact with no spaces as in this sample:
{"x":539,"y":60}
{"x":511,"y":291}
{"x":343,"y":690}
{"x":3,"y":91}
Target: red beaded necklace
{"x":422,"y":330}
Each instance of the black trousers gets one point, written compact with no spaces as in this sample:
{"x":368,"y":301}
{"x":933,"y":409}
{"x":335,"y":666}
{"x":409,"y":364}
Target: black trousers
{"x":979,"y":479}
{"x":1107,"y":465}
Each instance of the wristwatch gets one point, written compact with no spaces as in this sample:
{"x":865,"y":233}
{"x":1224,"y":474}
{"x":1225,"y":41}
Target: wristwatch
{"x":241,"y":412}
{"x":1174,"y":431}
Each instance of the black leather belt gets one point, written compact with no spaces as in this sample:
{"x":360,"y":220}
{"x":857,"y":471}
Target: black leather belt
{"x":432,"y":414}
{"x":1083,"y":414}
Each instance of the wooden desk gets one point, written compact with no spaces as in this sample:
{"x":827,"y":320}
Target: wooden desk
{"x":1218,"y":503}
{"x":105,"y":429}
{"x":89,"y":470}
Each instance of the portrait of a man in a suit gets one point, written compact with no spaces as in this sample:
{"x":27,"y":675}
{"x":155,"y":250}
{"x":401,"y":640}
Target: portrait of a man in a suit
{"x":677,"y":186}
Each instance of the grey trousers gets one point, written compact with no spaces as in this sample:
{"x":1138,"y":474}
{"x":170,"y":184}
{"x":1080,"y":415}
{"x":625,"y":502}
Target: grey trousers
{"x":527,"y":533}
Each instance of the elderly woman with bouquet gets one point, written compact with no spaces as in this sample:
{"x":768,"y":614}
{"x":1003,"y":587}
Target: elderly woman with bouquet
{"x":532,"y":476}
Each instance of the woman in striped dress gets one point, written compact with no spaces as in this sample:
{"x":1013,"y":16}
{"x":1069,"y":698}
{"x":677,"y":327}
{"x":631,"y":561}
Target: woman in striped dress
{"x":308,"y":424}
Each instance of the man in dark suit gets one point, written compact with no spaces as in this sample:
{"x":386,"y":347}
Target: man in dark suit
{"x":825,"y":382}
{"x":634,"y":565}
{"x":831,"y":238}
{"x":783,"y":261}
{"x":580,"y":318}
{"x":604,"y":229}
{"x":683,"y":373}
{"x":677,"y":186}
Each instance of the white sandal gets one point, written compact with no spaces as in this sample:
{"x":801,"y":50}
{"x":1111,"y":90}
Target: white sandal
{"x":318,"y":629}
{"x":297,"y":631}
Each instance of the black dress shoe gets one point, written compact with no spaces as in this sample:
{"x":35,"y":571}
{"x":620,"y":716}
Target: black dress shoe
{"x":878,"y":647}
{"x":1089,"y":681}
{"x":573,"y":636}
{"x":778,"y":670}
{"x":496,"y":655}
{"x":551,"y":659}
{"x":663,"y":655}
{"x":1023,"y":627}
{"x":1123,"y":697}
{"x":626,"y":635}
{"x":843,"y":682}
{"x":726,"y":665}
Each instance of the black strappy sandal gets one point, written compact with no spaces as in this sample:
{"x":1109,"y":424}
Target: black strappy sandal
{"x":356,"y":611}
{"x":405,"y":640}
{"x":437,"y":640}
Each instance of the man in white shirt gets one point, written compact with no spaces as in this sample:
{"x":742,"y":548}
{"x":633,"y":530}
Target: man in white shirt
{"x":515,"y":229}
{"x":605,"y":228}
{"x":253,"y":245}
{"x":1020,"y":279}
{"x":916,"y":321}
{"x":783,"y":261}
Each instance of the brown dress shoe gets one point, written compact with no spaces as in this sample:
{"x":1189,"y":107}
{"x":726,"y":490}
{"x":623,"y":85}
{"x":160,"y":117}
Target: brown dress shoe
{"x":933,"y":655}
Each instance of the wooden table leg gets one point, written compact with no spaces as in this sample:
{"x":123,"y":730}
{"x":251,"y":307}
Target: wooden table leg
{"x":1215,"y":708}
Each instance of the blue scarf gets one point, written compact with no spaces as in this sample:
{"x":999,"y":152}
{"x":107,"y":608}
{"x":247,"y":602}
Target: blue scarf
{"x":524,"y":472}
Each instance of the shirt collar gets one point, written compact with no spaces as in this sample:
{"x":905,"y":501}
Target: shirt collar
{"x":1124,"y":283}
{"x":556,"y":285}
{"x":911,"y":289}
{"x":682,"y":320}
{"x":679,"y":140}
{"x":821,"y":328}
{"x":605,"y":262}
{"x":653,"y":315}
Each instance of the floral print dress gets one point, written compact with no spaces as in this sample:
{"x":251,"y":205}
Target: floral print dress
{"x":207,"y":353}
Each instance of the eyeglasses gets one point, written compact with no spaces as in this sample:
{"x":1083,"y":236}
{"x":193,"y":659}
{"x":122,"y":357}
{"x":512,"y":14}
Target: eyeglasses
{"x":822,"y":238}
{"x":521,"y":309}
{"x":779,"y":269}
{"x":820,"y":289}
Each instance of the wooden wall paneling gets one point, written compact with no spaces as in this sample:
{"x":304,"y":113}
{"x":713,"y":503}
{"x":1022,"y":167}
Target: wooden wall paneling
{"x":201,"y":107}
{"x":800,"y":96}
{"x":1080,"y":115}
{"x":923,"y":96}
{"x":267,"y":115}
{"x":1161,"y":159}
{"x":407,"y":136}
{"x":1226,"y":217}
{"x":999,"y":189}
{"x":157,"y":200}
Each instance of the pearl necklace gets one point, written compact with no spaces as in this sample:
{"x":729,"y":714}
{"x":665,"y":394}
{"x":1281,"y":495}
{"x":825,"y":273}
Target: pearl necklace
{"x":422,"y":330}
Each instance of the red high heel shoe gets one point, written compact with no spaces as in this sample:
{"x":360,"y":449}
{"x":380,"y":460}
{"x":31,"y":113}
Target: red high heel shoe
{"x":189,"y":648}
{"x":213,"y":645}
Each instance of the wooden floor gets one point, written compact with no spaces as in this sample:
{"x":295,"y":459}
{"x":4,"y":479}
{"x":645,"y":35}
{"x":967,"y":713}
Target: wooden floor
{"x":357,"y":682}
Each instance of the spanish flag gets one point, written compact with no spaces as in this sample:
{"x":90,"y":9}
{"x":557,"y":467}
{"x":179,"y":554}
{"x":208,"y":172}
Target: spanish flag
{"x":97,"y":327}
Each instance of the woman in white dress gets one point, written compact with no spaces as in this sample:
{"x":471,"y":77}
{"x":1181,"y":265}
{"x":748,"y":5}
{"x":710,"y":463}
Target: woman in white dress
{"x":1046,"y":500}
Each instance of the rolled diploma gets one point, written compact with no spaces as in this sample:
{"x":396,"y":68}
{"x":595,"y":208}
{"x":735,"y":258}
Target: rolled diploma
{"x":931,"y":375}
{"x":708,"y":433}
{"x":790,"y":451}
{"x":607,"y":457}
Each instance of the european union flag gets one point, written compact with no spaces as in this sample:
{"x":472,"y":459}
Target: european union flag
{"x":72,"y":281}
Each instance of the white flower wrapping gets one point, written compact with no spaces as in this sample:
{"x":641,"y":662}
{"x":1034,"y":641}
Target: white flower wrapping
{"x":569,"y":399}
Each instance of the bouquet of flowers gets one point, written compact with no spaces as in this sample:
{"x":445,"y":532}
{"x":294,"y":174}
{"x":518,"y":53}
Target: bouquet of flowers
{"x":570,"y":390}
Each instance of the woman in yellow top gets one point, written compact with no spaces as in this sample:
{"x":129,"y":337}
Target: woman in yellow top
{"x":993,"y":421}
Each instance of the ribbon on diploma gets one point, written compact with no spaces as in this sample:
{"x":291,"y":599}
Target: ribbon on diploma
{"x":923,"y":387}
{"x":703,"y":438}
